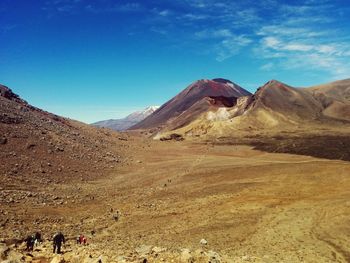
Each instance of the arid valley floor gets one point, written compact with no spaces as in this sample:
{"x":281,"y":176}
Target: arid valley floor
{"x":249,"y":205}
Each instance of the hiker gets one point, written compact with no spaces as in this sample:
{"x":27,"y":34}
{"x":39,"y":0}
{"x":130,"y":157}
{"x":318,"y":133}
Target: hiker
{"x":116,"y":216}
{"x":30,"y":242}
{"x":82,"y":239}
{"x":57,"y":242}
{"x":37,"y":238}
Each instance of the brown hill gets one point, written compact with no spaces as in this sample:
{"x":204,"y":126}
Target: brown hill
{"x":279,"y":105}
{"x":281,"y":98}
{"x":273,"y":108}
{"x":334,"y":98}
{"x":46,"y":148}
{"x":319,"y":105}
{"x":191,"y":102}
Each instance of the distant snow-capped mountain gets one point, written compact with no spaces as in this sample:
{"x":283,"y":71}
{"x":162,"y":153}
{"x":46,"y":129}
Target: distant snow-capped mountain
{"x":138,"y":116}
{"x":128,"y":121}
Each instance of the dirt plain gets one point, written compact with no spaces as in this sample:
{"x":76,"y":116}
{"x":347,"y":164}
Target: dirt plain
{"x":247,"y":206}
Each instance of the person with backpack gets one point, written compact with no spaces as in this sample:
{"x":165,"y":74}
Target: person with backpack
{"x":58,"y":239}
{"x":30,"y":240}
{"x":37,"y":239}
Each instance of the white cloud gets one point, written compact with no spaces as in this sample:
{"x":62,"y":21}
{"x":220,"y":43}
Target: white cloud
{"x":116,"y":8}
{"x":297,"y":47}
{"x":310,"y":55}
{"x":282,"y":36}
{"x":218,"y":33}
{"x":294,"y":35}
{"x":231,"y":46}
{"x":128,"y":7}
{"x":222,"y":33}
{"x":296,"y":9}
{"x":271,"y":42}
{"x":227,"y":44}
{"x":247,"y":15}
{"x":267,"y":66}
{"x":280,"y":44}
{"x":302,"y":37}
{"x":7,"y":28}
{"x":193,"y":17}
{"x":290,"y":31}
{"x":158,"y":30}
{"x":197,"y":3}
{"x":339,"y":68}
{"x":164,"y":12}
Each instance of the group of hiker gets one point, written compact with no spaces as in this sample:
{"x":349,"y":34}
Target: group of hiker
{"x":57,"y":241}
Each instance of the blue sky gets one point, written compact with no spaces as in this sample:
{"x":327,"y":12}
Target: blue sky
{"x":94,"y":60}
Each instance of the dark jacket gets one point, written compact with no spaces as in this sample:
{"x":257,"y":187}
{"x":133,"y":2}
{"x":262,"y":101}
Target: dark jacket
{"x":58,"y":238}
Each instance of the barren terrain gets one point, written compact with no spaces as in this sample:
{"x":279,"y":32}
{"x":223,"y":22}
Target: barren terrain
{"x":221,"y":189}
{"x":248,"y":205}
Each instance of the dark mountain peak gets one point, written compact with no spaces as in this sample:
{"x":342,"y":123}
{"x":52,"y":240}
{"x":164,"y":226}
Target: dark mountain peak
{"x":215,"y":87}
{"x":221,"y":80}
{"x":223,"y":91}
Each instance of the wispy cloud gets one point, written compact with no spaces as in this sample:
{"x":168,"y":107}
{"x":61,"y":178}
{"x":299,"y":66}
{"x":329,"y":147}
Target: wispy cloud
{"x":306,"y":34}
{"x":62,"y":6}
{"x":302,"y":37}
{"x":292,"y":31}
{"x":231,"y":46}
{"x":115,"y":8}
{"x":267,"y":66}
{"x":78,"y":6}
{"x":193,"y":17}
{"x":331,"y":57}
{"x":227,"y":44}
{"x":165,"y":12}
{"x":7,"y":28}
{"x":218,"y":33}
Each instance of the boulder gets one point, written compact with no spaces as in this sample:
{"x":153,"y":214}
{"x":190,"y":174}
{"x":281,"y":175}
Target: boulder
{"x":4,"y":250}
{"x":58,"y":259}
{"x":203,"y":242}
{"x":214,"y":257}
{"x":3,"y":140}
{"x":8,"y":255}
{"x":144,"y":250}
{"x":186,"y":255}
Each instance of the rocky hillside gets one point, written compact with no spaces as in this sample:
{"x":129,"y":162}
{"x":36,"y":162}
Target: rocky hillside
{"x":40,"y":146}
